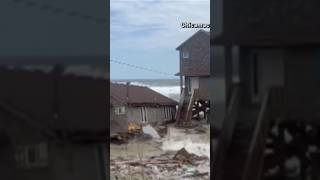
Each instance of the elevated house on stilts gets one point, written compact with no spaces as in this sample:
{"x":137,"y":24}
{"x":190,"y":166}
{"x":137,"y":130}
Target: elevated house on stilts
{"x":194,"y":76}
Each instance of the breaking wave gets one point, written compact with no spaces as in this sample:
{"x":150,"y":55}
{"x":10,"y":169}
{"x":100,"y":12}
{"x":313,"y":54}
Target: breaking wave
{"x":193,"y":143}
{"x":172,"y":92}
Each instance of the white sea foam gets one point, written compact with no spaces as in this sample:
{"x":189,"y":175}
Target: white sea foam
{"x":136,"y":83}
{"x":172,"y":92}
{"x":151,"y":131}
{"x":200,"y":149}
{"x":193,"y":143}
{"x":169,"y":91}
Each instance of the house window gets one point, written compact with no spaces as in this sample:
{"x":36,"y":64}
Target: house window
{"x":120,"y":110}
{"x":168,"y":113}
{"x":32,"y":156}
{"x":165,"y":112}
{"x":144,"y":115}
{"x":185,"y":54}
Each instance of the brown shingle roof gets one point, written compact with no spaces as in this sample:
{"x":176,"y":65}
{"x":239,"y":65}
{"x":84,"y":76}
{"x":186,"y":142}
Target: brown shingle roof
{"x":198,"y":32}
{"x":115,"y":101}
{"x":138,"y":95}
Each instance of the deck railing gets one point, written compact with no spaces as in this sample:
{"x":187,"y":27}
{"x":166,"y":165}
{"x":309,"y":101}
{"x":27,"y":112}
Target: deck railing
{"x":224,"y":138}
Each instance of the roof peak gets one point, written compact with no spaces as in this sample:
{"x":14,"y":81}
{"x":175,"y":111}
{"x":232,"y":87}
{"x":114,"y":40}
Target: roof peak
{"x":196,"y":33}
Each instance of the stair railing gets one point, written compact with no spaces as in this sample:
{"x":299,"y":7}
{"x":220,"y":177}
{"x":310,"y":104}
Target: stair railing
{"x":182,"y":97}
{"x":225,"y":136}
{"x":254,"y":162}
{"x":191,"y":100}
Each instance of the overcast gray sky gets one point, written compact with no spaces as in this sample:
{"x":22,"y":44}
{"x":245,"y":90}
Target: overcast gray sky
{"x":146,"y":33}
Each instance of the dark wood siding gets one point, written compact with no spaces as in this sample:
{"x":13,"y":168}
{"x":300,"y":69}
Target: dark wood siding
{"x":204,"y":87}
{"x":198,"y":63}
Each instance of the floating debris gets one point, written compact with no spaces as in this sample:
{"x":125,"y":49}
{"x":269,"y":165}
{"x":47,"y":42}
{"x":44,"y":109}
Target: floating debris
{"x":148,"y":129}
{"x":177,"y":155}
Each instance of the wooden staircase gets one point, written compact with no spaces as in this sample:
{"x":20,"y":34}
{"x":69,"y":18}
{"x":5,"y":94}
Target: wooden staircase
{"x":240,"y":143}
{"x":184,"y":112}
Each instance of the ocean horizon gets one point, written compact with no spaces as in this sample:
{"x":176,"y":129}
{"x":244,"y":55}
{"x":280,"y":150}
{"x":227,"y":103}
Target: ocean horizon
{"x":167,"y":87}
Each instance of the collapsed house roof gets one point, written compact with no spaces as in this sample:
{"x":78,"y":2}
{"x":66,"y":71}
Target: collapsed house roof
{"x":137,"y":95}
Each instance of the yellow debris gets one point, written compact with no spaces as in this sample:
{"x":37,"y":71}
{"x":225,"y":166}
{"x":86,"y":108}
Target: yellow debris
{"x":134,"y":127}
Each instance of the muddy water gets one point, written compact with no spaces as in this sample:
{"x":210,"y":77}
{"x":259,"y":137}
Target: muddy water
{"x":132,"y":150}
{"x":193,"y":142}
{"x":176,"y":139}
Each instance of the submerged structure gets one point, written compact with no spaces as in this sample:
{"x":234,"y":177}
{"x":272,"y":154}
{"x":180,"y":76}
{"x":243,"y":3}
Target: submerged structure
{"x":131,"y":104}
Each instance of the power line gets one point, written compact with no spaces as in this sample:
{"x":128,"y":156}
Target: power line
{"x":140,"y":67}
{"x":61,"y":11}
